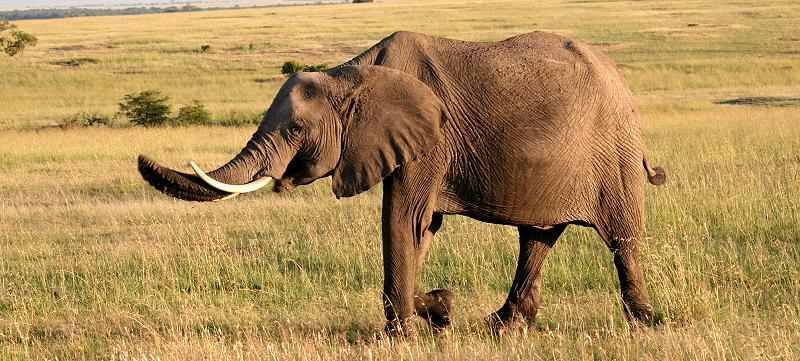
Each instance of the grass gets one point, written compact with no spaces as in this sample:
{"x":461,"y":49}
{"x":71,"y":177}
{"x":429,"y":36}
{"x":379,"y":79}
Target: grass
{"x":96,"y":264}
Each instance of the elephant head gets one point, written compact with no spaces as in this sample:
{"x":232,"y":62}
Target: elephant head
{"x":356,"y":123}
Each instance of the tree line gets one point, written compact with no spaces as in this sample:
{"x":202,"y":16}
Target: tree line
{"x":78,"y":12}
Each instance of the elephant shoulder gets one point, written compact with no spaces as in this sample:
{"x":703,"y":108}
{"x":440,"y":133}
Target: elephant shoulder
{"x":400,"y":44}
{"x":405,"y":44}
{"x":405,"y":37}
{"x":536,"y":37}
{"x":558,"y":48}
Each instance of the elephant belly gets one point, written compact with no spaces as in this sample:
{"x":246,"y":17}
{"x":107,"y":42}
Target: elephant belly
{"x":521,"y":187}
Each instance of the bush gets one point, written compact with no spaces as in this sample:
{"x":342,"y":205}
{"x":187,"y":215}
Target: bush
{"x":13,"y":41}
{"x":318,"y":67}
{"x":147,"y":108}
{"x":193,"y":114}
{"x":85,"y":119}
{"x":292,"y":66}
{"x":205,"y":48}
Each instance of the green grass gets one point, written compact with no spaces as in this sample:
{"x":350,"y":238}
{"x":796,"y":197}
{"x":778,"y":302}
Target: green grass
{"x":96,"y":264}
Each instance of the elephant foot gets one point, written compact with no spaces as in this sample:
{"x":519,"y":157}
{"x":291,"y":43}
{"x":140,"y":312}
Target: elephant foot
{"x":398,"y":329}
{"x":506,"y":320}
{"x":640,"y":313}
{"x":435,"y":306}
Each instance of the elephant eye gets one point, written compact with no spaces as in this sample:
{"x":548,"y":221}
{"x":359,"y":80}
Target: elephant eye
{"x":309,"y":92}
{"x":295,"y":128}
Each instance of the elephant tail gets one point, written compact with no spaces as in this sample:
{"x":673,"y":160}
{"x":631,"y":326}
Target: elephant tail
{"x":656,"y":175}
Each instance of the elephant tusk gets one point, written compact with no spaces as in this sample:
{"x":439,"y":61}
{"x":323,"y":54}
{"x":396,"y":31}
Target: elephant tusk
{"x":229,"y":196}
{"x":230,"y":188}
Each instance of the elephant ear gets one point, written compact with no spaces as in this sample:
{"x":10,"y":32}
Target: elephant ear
{"x":389,"y":118}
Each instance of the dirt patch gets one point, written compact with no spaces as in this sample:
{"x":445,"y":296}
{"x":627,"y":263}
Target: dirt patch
{"x":609,"y":46}
{"x":69,"y":47}
{"x":76,"y":62}
{"x":762,"y":102}
{"x":273,"y":79}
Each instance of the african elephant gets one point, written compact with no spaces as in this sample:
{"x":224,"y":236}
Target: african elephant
{"x":535,"y":131}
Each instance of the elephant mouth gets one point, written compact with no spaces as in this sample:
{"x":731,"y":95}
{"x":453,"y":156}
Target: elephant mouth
{"x":288,"y":183}
{"x":261,"y":179}
{"x":283,"y":185}
{"x":298,"y":173}
{"x":279,"y":185}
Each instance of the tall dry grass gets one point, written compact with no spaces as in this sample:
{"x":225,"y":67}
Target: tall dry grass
{"x":95,"y":264}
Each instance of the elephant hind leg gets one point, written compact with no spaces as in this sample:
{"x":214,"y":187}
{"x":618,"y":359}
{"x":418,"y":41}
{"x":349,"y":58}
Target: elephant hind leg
{"x":524,"y":297}
{"x":624,"y":239}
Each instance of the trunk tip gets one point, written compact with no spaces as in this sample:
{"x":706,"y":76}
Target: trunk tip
{"x":144,"y":160}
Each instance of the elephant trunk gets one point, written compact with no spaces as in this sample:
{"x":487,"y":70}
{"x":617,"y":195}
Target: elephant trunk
{"x":234,"y":177}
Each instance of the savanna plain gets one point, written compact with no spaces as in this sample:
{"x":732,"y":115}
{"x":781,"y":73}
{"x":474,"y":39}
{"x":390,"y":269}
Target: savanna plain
{"x":94,"y":263}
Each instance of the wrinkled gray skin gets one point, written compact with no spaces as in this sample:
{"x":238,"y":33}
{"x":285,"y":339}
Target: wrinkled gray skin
{"x":536,"y":131}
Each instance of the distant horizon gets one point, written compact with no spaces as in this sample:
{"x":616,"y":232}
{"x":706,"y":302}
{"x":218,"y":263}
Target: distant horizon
{"x":9,"y":5}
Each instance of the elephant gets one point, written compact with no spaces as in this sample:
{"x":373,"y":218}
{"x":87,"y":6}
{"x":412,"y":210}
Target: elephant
{"x":536,"y":131}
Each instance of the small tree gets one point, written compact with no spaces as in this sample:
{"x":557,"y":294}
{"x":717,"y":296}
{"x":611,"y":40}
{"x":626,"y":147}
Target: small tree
{"x":147,"y":108}
{"x":85,"y":119}
{"x":290,"y":67}
{"x":13,"y":41}
{"x":193,"y":114}
{"x":293,"y":66}
{"x":318,"y":67}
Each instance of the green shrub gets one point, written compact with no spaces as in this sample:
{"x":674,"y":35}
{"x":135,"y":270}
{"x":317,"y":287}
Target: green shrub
{"x":193,"y":114}
{"x":13,"y":41}
{"x":318,"y":67}
{"x":205,"y":48}
{"x":85,"y":119}
{"x":292,"y":66}
{"x":147,"y":108}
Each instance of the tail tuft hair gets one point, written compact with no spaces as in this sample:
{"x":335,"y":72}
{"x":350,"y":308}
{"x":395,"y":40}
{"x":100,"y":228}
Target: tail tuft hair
{"x":657,"y":177}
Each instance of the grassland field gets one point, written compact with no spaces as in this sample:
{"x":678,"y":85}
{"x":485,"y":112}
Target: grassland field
{"x":96,"y":264}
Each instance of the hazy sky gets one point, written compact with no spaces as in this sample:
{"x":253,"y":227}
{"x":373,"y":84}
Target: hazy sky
{"x":32,"y":4}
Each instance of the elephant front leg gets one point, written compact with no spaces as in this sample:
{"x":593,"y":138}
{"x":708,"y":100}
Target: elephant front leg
{"x":434,"y":306}
{"x":398,"y":283}
{"x":403,"y":247}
